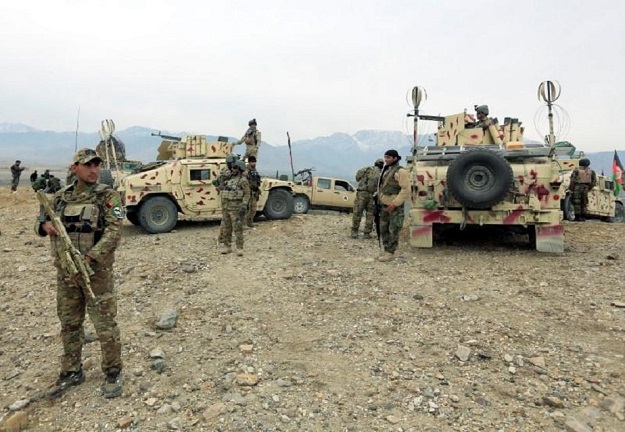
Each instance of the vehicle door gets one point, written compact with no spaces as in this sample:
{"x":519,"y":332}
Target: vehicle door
{"x":322,"y":191}
{"x":343,"y":194}
{"x":196,"y":184}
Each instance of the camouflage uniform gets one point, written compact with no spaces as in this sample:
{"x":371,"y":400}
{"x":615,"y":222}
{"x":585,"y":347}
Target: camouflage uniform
{"x":93,"y":217}
{"x":583,"y":179}
{"x":393,"y":188}
{"x":221,"y":180}
{"x":235,"y":197}
{"x":16,"y":172}
{"x":254,"y":180}
{"x":367,"y":179}
{"x":251,"y":138}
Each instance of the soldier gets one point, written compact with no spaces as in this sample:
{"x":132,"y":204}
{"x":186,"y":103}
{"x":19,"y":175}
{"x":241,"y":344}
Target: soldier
{"x":16,"y":172}
{"x":367,"y":179}
{"x":583,"y":179}
{"x":481,"y":112}
{"x":33,"y":176}
{"x":219,"y":182}
{"x":393,"y":190}
{"x":235,"y":197}
{"x":254,"y":179}
{"x":251,"y":138}
{"x":92,"y":214}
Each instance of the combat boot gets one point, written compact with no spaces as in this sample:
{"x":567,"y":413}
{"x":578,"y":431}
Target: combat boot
{"x":239,"y":251}
{"x":65,"y":381}
{"x":112,"y":386}
{"x":226,"y":249}
{"x":386,"y":257}
{"x":354,"y":234}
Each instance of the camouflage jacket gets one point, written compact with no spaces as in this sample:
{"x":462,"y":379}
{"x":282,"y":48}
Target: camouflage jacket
{"x":236,"y":193}
{"x":250,"y":137}
{"x":222,"y":178}
{"x":16,"y":171}
{"x":368,"y":178}
{"x":254,"y":179}
{"x":93,"y":216}
{"x":583,"y":175}
{"x":394,"y":185}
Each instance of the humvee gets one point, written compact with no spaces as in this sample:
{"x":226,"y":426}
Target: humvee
{"x":321,"y":192}
{"x":486,"y":176}
{"x":159,"y":191}
{"x":602,"y":203}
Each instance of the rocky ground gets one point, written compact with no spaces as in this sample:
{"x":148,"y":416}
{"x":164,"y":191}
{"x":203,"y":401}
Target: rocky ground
{"x":307,"y":332}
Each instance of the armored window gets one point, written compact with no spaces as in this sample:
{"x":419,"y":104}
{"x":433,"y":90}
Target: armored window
{"x":324,"y":183}
{"x":202,"y":174}
{"x":342,"y":185}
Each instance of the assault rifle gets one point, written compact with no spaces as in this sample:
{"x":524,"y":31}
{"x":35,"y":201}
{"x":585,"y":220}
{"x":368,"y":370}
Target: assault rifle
{"x":376,"y":216}
{"x":167,"y":137}
{"x":72,"y":261}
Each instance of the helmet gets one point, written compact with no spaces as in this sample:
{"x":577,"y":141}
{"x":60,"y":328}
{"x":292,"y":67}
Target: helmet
{"x":481,"y":109}
{"x":231,"y":158}
{"x":379,"y":163}
{"x":252,"y":122}
{"x":240,"y":165}
{"x":584,"y":162}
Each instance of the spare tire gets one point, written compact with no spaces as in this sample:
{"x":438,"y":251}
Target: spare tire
{"x":479,"y":178}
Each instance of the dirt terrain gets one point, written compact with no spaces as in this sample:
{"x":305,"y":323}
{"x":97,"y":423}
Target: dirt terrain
{"x":307,"y":332}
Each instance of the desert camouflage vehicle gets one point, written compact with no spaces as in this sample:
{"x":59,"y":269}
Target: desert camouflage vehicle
{"x":602,"y":203}
{"x":314,"y":192}
{"x":159,"y":191}
{"x":486,"y":176}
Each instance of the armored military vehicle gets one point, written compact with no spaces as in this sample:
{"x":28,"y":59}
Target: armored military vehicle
{"x":159,"y":191}
{"x":485,"y":175}
{"x":602,"y":203}
{"x":318,"y":192}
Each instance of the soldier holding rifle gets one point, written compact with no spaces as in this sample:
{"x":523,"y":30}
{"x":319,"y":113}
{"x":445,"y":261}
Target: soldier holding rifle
{"x":84,"y":224}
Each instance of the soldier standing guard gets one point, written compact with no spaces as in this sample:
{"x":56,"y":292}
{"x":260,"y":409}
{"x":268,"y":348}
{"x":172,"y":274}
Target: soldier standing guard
{"x":251,"y":138}
{"x":367,"y":179}
{"x":92,"y":215}
{"x":393,"y":190}
{"x":16,"y":172}
{"x":583,"y":179}
{"x":219,"y":183}
{"x":254,"y":179}
{"x":236,"y":197}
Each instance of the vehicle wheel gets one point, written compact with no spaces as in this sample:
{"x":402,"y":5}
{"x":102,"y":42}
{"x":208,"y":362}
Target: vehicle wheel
{"x":133,"y":217}
{"x":300,"y":204}
{"x":479,"y":178}
{"x":106,"y":177}
{"x":158,"y":215}
{"x":568,"y":210}
{"x":619,"y":213}
{"x":279,"y":205}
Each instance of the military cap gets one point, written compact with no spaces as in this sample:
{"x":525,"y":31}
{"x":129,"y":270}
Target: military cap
{"x":392,"y":153}
{"x":251,"y":159}
{"x":85,"y":155}
{"x":584,"y":162}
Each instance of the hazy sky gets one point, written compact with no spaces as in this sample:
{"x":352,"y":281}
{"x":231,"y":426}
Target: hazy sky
{"x":310,"y":67}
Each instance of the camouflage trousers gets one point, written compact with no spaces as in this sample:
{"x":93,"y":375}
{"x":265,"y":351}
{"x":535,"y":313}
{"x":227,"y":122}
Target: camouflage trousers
{"x":580,"y":198}
{"x":71,"y":305}
{"x":14,"y":182}
{"x":251,"y":208}
{"x":232,"y":221}
{"x":390,"y":227}
{"x":250,"y":150}
{"x":363,"y":204}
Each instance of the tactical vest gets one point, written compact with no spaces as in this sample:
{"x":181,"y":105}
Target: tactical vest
{"x":584,"y":176}
{"x":253,"y":177}
{"x":81,"y":217}
{"x":390,"y":186}
{"x":232,"y":190}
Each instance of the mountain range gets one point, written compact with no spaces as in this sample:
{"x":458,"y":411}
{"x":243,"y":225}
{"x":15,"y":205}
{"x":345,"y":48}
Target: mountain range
{"x":339,"y":154}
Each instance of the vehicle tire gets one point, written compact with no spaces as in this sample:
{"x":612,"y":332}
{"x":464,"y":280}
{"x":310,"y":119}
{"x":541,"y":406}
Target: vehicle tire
{"x":106,"y":177}
{"x":158,"y":215}
{"x":301,"y":205}
{"x":133,"y":217}
{"x":619,"y":213}
{"x":568,"y":210}
{"x":279,"y":205}
{"x":479,"y":178}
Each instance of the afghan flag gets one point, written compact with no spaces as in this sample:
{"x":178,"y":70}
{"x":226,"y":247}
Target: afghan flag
{"x":617,"y":174}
